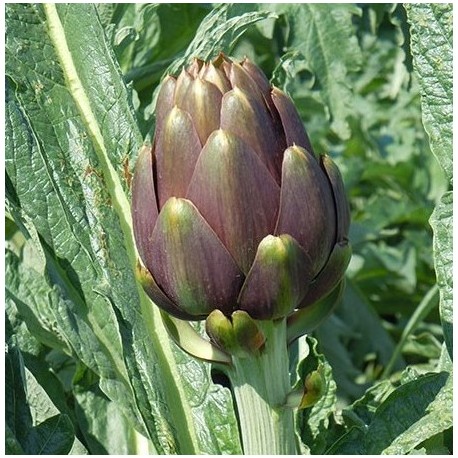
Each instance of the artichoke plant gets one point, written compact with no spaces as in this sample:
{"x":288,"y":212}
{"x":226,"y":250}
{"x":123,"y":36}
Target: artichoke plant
{"x":238,"y":222}
{"x":232,"y":210}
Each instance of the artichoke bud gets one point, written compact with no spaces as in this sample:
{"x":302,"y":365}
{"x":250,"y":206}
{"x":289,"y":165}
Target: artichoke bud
{"x":309,"y":394}
{"x":219,"y":329}
{"x":238,"y":335}
{"x":313,"y":389}
{"x":232,"y":210}
{"x":247,"y":333}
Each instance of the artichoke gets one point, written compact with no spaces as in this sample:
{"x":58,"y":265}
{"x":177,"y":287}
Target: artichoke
{"x":231,"y":208}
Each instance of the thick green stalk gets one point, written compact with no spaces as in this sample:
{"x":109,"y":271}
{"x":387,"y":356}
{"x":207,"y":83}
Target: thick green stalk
{"x":261,"y":384}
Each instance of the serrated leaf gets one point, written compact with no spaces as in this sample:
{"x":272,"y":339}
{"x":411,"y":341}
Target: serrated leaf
{"x":325,"y":36}
{"x":432,"y":49}
{"x":442,"y":224}
{"x":50,"y":310}
{"x":415,"y":411}
{"x":431,"y":44}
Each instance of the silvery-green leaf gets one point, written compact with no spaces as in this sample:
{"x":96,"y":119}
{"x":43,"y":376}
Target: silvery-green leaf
{"x":72,"y":140}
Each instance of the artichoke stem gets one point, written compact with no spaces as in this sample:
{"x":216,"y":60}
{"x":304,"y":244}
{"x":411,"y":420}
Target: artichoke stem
{"x":261,"y":384}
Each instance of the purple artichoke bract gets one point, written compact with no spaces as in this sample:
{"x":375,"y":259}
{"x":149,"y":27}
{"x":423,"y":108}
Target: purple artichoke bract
{"x":232,"y":210}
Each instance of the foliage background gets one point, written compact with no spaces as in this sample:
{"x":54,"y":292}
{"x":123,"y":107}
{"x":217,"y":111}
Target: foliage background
{"x":89,"y":367}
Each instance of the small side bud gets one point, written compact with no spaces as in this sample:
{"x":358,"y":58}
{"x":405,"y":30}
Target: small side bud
{"x":238,"y":335}
{"x":190,"y":341}
{"x":309,"y":394}
{"x":219,"y":329}
{"x":247,"y":333}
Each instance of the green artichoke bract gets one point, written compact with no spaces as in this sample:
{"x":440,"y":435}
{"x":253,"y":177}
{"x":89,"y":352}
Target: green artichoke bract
{"x":232,"y":210}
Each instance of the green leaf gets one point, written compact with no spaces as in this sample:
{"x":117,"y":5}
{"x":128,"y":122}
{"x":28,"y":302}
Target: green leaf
{"x":49,"y":308}
{"x":414,"y":412}
{"x":212,"y":405}
{"x":72,"y":141}
{"x":103,"y":101}
{"x":31,"y":296}
{"x":362,"y":411}
{"x":349,"y":443}
{"x":106,"y":429}
{"x":442,"y":224}
{"x":12,"y":445}
{"x":219,"y":31}
{"x":431,"y":31}
{"x":432,"y":49}
{"x":34,"y":424}
{"x":53,"y":436}
{"x":325,"y":36}
{"x":17,"y":414}
{"x":395,"y":421}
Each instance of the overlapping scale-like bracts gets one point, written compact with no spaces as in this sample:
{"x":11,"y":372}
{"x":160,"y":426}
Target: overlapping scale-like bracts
{"x":232,"y":210}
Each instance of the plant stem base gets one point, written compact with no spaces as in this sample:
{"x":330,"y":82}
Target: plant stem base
{"x":261,"y":384}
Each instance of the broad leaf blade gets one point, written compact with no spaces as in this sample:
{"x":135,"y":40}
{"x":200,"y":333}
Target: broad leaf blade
{"x":212,"y":407}
{"x":66,"y":165}
{"x":54,"y":212}
{"x":17,"y":413}
{"x":432,"y":49}
{"x":414,"y":412}
{"x":34,"y":424}
{"x":431,"y":44}
{"x":107,"y":430}
{"x":103,"y":85}
{"x":54,"y":436}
